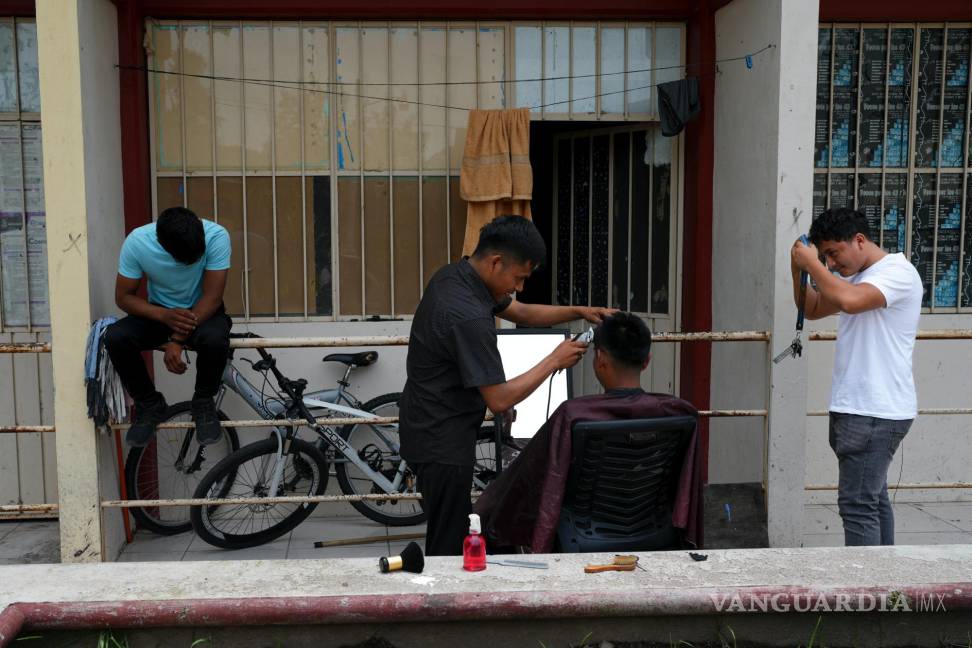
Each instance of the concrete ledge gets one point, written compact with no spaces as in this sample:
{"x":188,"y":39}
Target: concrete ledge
{"x":775,"y":582}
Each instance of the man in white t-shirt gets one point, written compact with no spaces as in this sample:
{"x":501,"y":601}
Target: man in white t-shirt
{"x":872,"y":398}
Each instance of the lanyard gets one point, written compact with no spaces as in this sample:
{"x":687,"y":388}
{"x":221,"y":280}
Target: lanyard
{"x":796,"y":347}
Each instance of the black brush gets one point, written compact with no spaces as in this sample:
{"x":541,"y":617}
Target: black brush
{"x":410,"y":560}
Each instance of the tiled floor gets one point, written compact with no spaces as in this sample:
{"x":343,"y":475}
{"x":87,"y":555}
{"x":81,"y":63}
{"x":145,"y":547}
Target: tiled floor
{"x":37,"y":542}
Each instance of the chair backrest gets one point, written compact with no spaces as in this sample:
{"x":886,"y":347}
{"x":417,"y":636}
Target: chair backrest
{"x":622,"y":483}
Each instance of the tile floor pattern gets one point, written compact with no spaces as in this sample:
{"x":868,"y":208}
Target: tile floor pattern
{"x":37,"y":542}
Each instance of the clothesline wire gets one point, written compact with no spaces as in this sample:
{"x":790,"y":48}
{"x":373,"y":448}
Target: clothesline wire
{"x":336,"y":93}
{"x":446,"y":83}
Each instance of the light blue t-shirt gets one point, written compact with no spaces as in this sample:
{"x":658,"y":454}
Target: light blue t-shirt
{"x":170,"y":283}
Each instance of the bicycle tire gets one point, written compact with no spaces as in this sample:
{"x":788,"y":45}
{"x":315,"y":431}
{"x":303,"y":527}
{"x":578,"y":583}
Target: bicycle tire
{"x":142,"y":484}
{"x":209,"y":521}
{"x":380,"y":448}
{"x":484,"y":469}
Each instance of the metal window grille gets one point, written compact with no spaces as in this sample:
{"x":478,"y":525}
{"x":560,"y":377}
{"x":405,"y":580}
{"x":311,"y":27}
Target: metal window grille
{"x":340,"y":203}
{"x":893,"y":140}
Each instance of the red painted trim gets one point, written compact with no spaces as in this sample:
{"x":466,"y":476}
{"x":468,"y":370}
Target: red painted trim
{"x":413,"y":9}
{"x":136,"y":169}
{"x":463,"y":606}
{"x":696,"y":358}
{"x":18,"y":8}
{"x":894,"y":11}
{"x":11,"y":622}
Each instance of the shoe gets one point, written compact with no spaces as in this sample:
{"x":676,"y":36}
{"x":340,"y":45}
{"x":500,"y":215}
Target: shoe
{"x":208,"y":429}
{"x":148,"y":414}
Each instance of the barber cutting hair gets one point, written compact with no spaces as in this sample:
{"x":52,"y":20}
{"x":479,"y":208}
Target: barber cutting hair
{"x":454,"y":370}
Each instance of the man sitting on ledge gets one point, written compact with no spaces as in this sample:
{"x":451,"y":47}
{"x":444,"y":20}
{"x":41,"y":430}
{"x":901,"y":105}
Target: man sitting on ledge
{"x":522,"y":506}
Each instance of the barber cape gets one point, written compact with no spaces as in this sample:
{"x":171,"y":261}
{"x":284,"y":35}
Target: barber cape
{"x":522,"y":506}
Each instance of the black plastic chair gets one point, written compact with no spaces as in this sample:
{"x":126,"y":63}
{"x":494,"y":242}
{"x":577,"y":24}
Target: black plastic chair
{"x":622,"y":483}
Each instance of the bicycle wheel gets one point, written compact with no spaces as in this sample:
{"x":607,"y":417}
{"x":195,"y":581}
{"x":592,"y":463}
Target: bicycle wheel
{"x":484,"y":470}
{"x":171,"y":469}
{"x":379,"y":446}
{"x":248,"y":473}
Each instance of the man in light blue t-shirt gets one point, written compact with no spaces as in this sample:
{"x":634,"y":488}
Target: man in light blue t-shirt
{"x":185,"y":261}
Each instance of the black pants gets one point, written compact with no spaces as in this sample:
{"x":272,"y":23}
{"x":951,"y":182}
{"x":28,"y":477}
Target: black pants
{"x":445,"y":496}
{"x":128,"y":337}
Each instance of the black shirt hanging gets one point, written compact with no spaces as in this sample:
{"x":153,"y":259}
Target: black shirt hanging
{"x":678,"y":104}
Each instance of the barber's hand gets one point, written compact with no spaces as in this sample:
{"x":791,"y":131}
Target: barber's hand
{"x":803,"y":256}
{"x":568,"y":353}
{"x":180,"y":320}
{"x":594,"y":314}
{"x":173,"y":358}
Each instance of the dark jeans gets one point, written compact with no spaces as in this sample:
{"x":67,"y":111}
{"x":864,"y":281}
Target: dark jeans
{"x":128,"y":337}
{"x":445,"y":497}
{"x":865,"y":446}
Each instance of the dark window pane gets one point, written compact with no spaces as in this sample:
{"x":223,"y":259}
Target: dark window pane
{"x":871,"y":136}
{"x":822,"y":124}
{"x":319,"y":241}
{"x":947,"y":244}
{"x":349,"y":245}
{"x":927,"y":135}
{"x":640,"y":220}
{"x":923,"y":230}
{"x":895,"y":207}
{"x":582,"y":215}
{"x":843,"y":137}
{"x":406,"y":244}
{"x":601,"y":171}
{"x":956,"y":96}
{"x":661,"y":178}
{"x":622,"y":170}
{"x":899,"y":97}
{"x":564,"y":184}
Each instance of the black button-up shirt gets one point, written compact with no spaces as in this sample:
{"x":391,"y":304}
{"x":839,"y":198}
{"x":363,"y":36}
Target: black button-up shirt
{"x":451,"y":353}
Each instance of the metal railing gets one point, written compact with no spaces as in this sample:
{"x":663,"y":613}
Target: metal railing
{"x":360,"y":341}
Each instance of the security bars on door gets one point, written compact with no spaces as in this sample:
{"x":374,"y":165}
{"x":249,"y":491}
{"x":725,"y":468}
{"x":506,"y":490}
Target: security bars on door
{"x":335,"y":165}
{"x":614,"y":232}
{"x":893,"y":140}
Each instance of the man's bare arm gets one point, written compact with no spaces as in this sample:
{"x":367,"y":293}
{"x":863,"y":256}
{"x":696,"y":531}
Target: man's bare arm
{"x":180,"y":321}
{"x":214,"y":285}
{"x":540,"y":315}
{"x":502,"y":397}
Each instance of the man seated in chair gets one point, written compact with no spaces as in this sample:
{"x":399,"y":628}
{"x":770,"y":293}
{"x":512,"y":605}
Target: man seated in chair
{"x":522,"y":506}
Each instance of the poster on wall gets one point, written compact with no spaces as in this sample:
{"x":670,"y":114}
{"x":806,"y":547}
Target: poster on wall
{"x":869,"y":199}
{"x":819,"y":194}
{"x":843,"y":134}
{"x":822,"y":122}
{"x":956,"y":96}
{"x":928,"y":114}
{"x":871,"y":134}
{"x":895,"y":208}
{"x":923,"y":230}
{"x":948,"y":242}
{"x":899,"y":97}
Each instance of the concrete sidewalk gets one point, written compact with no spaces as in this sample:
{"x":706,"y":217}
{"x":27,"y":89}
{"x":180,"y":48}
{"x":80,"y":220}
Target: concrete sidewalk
{"x":671,"y":592}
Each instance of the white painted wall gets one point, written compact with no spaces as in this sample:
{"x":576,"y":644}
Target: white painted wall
{"x":762,"y":200}
{"x":937,"y":448}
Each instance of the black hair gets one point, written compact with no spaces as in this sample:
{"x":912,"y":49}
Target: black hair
{"x":624,"y":337}
{"x":840,"y":224}
{"x":512,"y":236}
{"x":180,"y":232}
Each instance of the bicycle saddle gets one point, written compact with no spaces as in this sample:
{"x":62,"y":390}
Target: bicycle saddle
{"x":362,"y":359}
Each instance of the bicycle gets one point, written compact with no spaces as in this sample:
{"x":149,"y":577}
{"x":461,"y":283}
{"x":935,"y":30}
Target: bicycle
{"x":172,"y":467}
{"x":285,"y":465}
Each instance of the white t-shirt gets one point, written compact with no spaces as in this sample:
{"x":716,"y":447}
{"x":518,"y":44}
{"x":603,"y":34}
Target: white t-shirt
{"x":872,"y":366}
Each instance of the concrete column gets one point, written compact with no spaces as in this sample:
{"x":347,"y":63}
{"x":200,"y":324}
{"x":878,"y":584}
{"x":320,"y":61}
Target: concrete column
{"x":762,"y":201}
{"x":77,"y":49}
